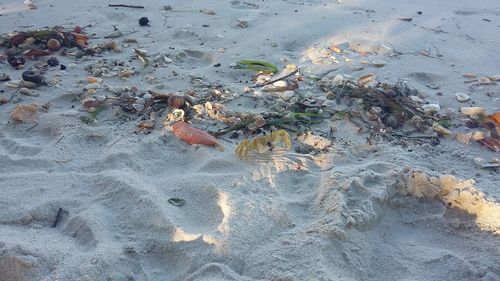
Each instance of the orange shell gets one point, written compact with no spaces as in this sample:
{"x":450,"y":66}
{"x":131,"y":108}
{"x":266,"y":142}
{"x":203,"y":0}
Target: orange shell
{"x":193,"y":135}
{"x":496,"y":116}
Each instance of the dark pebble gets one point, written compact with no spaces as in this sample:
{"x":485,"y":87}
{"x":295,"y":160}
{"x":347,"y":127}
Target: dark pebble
{"x":143,"y":21}
{"x":419,"y":12}
{"x":217,"y":65}
{"x":63,"y":67}
{"x":52,"y":61}
{"x":32,"y":76}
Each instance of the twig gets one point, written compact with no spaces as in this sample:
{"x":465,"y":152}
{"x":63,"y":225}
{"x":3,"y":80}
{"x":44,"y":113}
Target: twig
{"x":58,"y":217}
{"x":126,"y":6}
{"x":36,"y":124}
{"x":117,"y":141}
{"x":60,"y":138}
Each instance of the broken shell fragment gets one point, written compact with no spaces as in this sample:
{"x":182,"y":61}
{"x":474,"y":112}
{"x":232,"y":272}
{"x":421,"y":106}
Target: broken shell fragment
{"x":379,"y":63}
{"x":366,"y":79}
{"x":25,"y":113}
{"x":462,"y":97}
{"x":478,"y":135}
{"x":473,"y":110}
{"x":440,"y":129}
{"x":469,"y":75}
{"x":431,"y":108}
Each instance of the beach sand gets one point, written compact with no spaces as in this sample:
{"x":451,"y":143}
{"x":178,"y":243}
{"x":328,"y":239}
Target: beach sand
{"x":357,"y":211}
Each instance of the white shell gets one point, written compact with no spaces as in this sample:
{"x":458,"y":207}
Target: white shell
{"x":495,"y":78}
{"x":431,"y":108}
{"x":138,"y":106}
{"x":338,"y":80}
{"x":484,"y":80}
{"x":416,"y":99}
{"x":92,"y":86}
{"x":462,"y":97}
{"x":379,"y":63}
{"x":474,"y":110}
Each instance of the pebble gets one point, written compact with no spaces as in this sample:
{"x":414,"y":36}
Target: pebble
{"x":417,"y":99}
{"x":138,"y":106}
{"x":286,"y":96}
{"x":140,"y":101}
{"x":147,"y":97}
{"x":220,"y":36}
{"x":462,"y":97}
{"x":495,"y":78}
{"x":73,"y":65}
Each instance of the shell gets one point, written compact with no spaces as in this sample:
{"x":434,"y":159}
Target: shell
{"x":484,"y":80}
{"x":469,"y":75}
{"x":496,"y":116}
{"x":431,"y":108}
{"x":495,"y":78}
{"x":53,"y":44}
{"x":366,"y":79}
{"x":462,"y":97}
{"x":191,"y":135}
{"x":474,"y":110}
{"x":379,"y":63}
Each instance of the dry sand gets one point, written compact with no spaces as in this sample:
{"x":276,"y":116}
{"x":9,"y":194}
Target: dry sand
{"x":360,"y":212}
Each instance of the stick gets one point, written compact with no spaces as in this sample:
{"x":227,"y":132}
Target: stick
{"x":117,"y":141}
{"x":126,"y":6}
{"x":58,"y":217}
{"x":276,"y":80}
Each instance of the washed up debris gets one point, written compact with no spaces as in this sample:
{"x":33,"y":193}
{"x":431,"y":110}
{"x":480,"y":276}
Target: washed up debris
{"x":33,"y":77}
{"x":193,"y":135}
{"x":25,"y":113}
{"x":263,"y":144}
{"x":256,"y":65}
{"x":176,"y":201}
{"x":126,"y":6}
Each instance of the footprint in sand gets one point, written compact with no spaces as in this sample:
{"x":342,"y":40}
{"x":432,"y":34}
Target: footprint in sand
{"x":243,"y":5}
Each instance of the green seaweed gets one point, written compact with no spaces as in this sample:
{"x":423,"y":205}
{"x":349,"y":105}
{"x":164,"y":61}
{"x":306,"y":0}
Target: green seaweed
{"x":257,"y":65}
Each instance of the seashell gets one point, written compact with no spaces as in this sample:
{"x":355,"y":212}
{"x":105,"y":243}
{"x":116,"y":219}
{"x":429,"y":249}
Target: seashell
{"x":280,"y":83}
{"x":432,"y":86}
{"x":495,"y":78}
{"x":286,"y":96}
{"x":53,"y":44}
{"x":28,"y":92}
{"x":462,"y":97}
{"x":72,"y":65}
{"x":92,"y":86}
{"x":12,"y":84}
{"x":440,"y":129}
{"x":366,"y":79}
{"x":140,"y":101}
{"x":338,"y":80}
{"x":469,"y":75}
{"x":92,"y":79}
{"x":108,"y":73}
{"x":464,"y":138}
{"x":484,"y":80}
{"x":478,"y":135}
{"x":473,"y":110}
{"x":379,"y":63}
{"x":138,"y":106}
{"x":431,"y":108}
{"x":416,"y":99}
{"x":100,"y":98}
{"x":496,"y":116}
{"x":114,"y":34}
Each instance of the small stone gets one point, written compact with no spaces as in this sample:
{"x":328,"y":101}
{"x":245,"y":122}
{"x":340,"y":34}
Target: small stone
{"x":219,"y":36}
{"x":140,"y":101}
{"x":462,"y":97}
{"x":379,"y":63}
{"x":286,"y":96}
{"x":92,"y":86}
{"x":143,"y":21}
{"x":52,"y":61}
{"x":147,"y":97}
